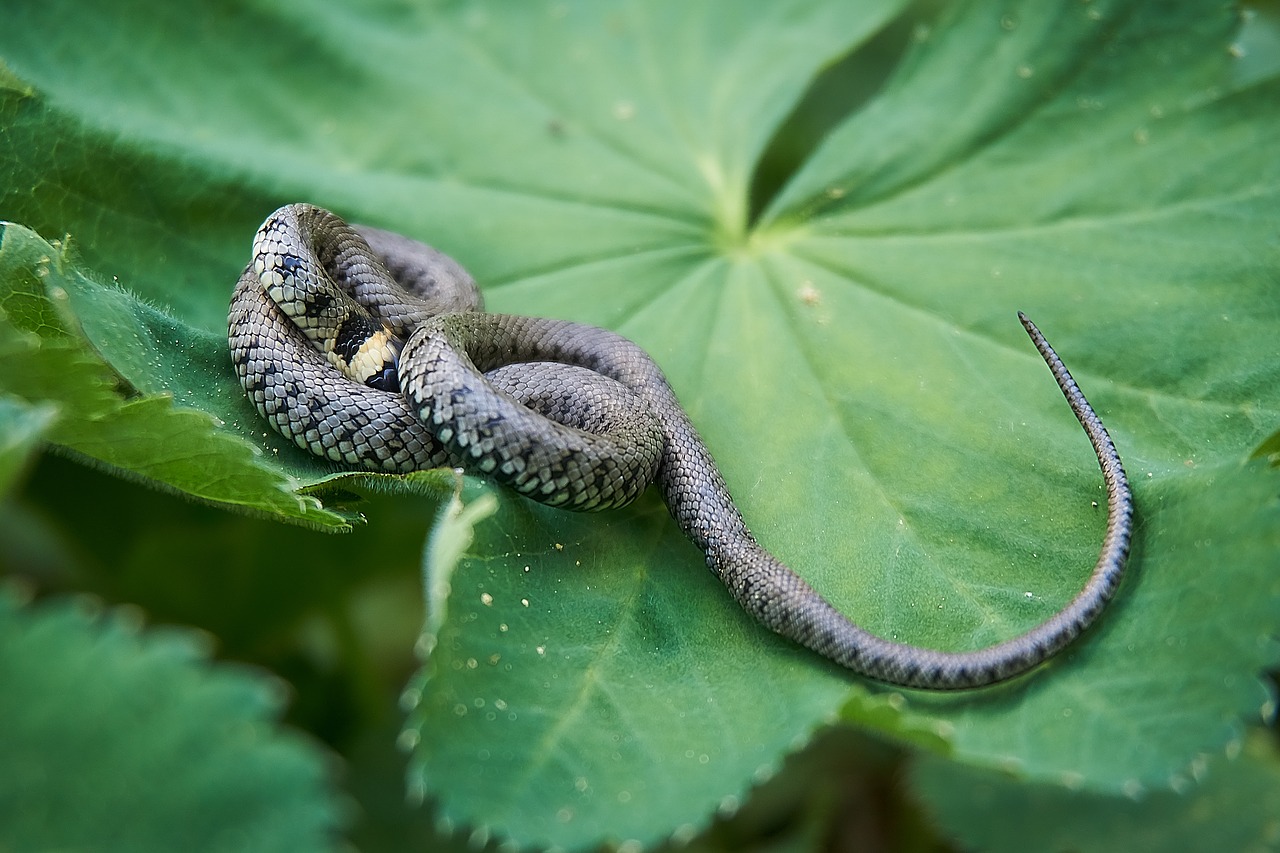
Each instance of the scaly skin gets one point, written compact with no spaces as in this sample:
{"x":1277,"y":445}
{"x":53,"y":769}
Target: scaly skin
{"x":567,"y":414}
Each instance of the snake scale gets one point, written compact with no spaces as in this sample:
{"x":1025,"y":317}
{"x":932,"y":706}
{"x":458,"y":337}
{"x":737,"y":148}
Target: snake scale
{"x":373,"y":350}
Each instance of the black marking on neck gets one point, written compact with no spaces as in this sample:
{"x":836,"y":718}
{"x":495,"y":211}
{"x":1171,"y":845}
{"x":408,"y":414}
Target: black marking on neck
{"x":352,"y":334}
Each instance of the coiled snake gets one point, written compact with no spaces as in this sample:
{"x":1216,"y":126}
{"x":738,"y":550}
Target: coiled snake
{"x":372,"y":350}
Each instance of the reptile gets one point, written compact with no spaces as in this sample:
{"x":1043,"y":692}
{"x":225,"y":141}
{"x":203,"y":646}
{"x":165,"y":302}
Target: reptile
{"x":373,"y":351}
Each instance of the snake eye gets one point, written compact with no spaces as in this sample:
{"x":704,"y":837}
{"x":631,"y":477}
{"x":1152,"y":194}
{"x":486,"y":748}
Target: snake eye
{"x":387,"y":379}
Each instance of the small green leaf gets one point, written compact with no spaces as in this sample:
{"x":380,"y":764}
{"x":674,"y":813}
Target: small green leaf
{"x":117,"y":738}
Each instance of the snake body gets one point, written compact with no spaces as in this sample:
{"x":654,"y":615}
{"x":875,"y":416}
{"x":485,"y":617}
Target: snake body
{"x":566,"y":414}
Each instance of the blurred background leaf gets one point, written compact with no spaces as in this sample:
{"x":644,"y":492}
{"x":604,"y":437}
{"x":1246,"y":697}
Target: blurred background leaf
{"x":117,"y":737}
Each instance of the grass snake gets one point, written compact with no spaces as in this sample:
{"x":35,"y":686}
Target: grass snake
{"x":373,"y":350}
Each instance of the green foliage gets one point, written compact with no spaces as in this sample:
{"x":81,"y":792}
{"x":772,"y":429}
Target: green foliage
{"x":213,"y":771}
{"x":835,"y":308}
{"x":1232,"y":805}
{"x":21,"y":427}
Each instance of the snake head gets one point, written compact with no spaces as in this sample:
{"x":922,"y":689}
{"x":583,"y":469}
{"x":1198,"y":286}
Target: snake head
{"x":378,"y":363}
{"x":366,"y":351}
{"x":388,"y":379}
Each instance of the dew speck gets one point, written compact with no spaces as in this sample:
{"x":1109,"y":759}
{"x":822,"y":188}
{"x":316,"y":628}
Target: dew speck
{"x":486,"y":599}
{"x":684,"y":833}
{"x":410,"y":698}
{"x":1025,"y":71}
{"x":808,"y":294}
{"x":1009,"y":763}
{"x":408,"y":740}
{"x":624,"y":110}
{"x":1009,"y":23}
{"x":1141,"y":136}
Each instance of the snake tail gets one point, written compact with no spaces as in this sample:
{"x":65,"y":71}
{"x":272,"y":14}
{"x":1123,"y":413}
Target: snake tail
{"x":784,"y":602}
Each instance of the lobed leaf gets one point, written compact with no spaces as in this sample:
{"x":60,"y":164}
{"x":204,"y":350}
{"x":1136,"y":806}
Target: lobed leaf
{"x":1230,"y":805}
{"x":189,"y":449}
{"x":116,"y":738}
{"x":851,"y":355}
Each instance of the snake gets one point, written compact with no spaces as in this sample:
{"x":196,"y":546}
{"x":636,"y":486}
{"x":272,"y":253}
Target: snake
{"x":373,"y":351}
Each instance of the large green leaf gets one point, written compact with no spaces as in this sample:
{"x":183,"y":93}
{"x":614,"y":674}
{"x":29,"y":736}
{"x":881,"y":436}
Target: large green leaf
{"x":144,"y":436}
{"x":1232,"y":806}
{"x":117,"y":739}
{"x":848,"y":347}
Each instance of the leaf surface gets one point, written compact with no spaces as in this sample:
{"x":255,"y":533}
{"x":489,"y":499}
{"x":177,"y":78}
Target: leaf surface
{"x":850,"y":352}
{"x":120,"y":739}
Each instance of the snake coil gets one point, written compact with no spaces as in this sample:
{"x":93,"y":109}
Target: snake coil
{"x":372,"y":350}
